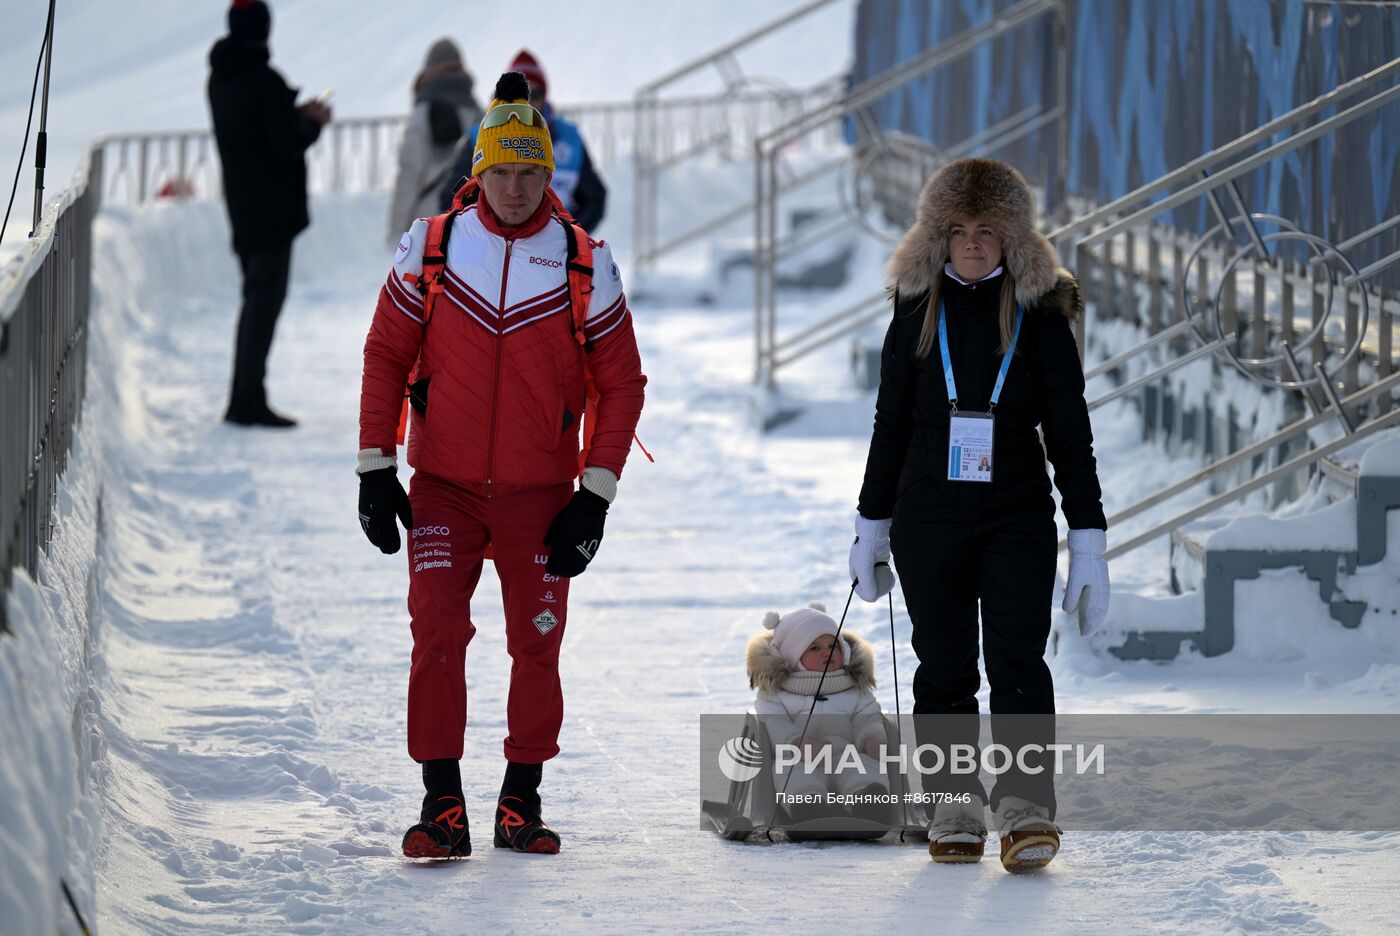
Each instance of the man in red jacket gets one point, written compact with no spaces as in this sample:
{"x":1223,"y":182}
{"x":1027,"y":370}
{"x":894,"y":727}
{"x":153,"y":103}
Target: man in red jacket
{"x":497,"y":397}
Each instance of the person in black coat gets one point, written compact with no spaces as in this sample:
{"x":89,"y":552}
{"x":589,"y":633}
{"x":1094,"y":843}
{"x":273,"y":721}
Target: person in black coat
{"x":262,"y":135}
{"x":979,"y":355}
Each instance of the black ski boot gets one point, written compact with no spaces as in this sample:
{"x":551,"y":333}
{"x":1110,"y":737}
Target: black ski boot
{"x":518,"y":822}
{"x":442,"y":828}
{"x":442,"y":833}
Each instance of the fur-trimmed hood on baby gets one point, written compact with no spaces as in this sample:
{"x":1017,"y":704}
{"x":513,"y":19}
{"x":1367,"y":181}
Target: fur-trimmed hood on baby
{"x":768,"y":670}
{"x":994,"y":191}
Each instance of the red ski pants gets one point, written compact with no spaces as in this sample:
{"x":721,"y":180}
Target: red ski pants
{"x":446,"y":548}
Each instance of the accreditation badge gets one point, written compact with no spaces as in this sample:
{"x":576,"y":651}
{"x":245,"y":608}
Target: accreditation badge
{"x":970,"y":447}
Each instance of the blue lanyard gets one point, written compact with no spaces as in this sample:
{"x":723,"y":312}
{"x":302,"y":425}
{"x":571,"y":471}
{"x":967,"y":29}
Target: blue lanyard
{"x":948,"y":359}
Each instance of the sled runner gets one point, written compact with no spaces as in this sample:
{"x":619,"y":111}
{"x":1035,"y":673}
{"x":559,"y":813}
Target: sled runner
{"x":752,"y":811}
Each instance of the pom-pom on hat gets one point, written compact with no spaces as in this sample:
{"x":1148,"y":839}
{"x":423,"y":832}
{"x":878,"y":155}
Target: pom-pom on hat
{"x":529,"y":66}
{"x":249,"y":21}
{"x":515,"y":134}
{"x":794,"y":632}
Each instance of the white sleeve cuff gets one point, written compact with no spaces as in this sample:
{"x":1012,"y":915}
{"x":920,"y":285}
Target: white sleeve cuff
{"x":1088,"y":542}
{"x":600,"y":481}
{"x":372,"y":459}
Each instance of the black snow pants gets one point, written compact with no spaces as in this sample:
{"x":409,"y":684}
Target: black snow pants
{"x":265,"y":274}
{"x":1005,"y":564}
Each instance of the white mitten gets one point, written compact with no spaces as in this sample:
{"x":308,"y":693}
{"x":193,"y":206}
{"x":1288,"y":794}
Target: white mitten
{"x":870,"y":559}
{"x":1087,"y":589}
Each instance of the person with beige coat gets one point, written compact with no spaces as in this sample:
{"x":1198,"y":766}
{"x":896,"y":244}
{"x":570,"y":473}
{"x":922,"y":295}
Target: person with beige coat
{"x":443,"y":108}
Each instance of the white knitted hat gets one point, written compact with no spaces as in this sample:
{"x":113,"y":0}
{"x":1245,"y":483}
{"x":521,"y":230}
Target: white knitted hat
{"x":794,"y":632}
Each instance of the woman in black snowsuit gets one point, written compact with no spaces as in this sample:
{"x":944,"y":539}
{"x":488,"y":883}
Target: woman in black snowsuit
{"x":955,"y":481}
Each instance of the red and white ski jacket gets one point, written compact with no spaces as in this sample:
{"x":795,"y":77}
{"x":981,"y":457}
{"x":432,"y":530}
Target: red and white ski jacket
{"x":507,"y":379}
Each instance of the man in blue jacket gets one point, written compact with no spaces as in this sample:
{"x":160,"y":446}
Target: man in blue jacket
{"x":576,"y":182}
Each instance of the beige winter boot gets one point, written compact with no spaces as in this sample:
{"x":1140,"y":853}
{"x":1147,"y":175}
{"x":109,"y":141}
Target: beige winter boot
{"x":958,"y":832}
{"x":1029,"y":840}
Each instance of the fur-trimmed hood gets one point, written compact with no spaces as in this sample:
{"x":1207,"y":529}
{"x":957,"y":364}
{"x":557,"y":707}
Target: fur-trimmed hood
{"x":768,"y":670}
{"x":989,"y":189}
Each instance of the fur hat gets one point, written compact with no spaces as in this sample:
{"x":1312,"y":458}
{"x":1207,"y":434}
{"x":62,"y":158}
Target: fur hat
{"x":995,"y":192}
{"x":768,"y":669}
{"x":512,"y":141}
{"x":249,"y":21}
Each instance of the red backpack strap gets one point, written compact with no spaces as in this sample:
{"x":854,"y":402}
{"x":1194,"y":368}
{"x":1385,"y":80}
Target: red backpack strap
{"x":578,"y":262}
{"x":579,"y":266}
{"x":432,"y":280}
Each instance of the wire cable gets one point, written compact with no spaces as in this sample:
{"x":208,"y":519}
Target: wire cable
{"x":29,"y":122}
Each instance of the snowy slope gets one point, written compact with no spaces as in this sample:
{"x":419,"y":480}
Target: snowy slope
{"x":255,"y":651}
{"x":141,"y":64}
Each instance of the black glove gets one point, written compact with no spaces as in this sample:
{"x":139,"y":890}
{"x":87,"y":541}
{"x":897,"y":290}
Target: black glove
{"x":381,"y":497}
{"x":575,"y":534}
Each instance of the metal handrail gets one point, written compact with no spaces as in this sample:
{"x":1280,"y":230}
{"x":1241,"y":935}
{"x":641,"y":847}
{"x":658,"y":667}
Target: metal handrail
{"x":1123,"y":357}
{"x":731,"y":215}
{"x":1302,"y":460}
{"x":1292,"y":431}
{"x":1195,"y":354}
{"x":648,"y":243}
{"x":820,"y":333}
{"x":727,"y":50}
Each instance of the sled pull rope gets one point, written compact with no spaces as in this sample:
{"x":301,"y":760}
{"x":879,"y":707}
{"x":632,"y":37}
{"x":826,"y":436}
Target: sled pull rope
{"x":898,"y":716}
{"x":836,"y":643}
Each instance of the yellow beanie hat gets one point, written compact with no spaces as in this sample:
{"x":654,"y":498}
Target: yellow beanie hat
{"x":505,"y":137}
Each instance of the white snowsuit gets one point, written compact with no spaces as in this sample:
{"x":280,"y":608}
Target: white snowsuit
{"x":846,"y":714}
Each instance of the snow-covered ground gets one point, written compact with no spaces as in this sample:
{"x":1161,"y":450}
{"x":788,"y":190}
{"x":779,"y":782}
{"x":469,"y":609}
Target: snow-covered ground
{"x":224,"y":752}
{"x":250,"y":655}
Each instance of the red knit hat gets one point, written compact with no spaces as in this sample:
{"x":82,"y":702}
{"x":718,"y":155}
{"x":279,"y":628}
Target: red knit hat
{"x":529,"y":66}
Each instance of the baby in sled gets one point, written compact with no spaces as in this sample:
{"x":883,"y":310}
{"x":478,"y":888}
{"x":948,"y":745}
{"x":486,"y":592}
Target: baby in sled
{"x":796,"y":662}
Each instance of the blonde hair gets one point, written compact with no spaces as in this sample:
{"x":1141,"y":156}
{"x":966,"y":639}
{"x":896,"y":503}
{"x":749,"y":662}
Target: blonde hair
{"x":1006,"y":315}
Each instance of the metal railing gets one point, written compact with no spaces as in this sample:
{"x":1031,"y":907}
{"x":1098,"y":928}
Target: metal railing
{"x":1190,"y":314}
{"x":45,"y":295}
{"x":1129,"y":259}
{"x":721,"y":135}
{"x":887,"y":152}
{"x":1371,"y":396}
{"x":360,"y":154}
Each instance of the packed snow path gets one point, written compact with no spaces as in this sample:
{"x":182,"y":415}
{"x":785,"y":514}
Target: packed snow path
{"x":254,"y":655}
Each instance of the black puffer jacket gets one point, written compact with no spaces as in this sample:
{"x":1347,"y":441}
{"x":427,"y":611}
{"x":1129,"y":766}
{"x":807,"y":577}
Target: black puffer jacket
{"x":908,"y":460}
{"x":261,"y":140}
